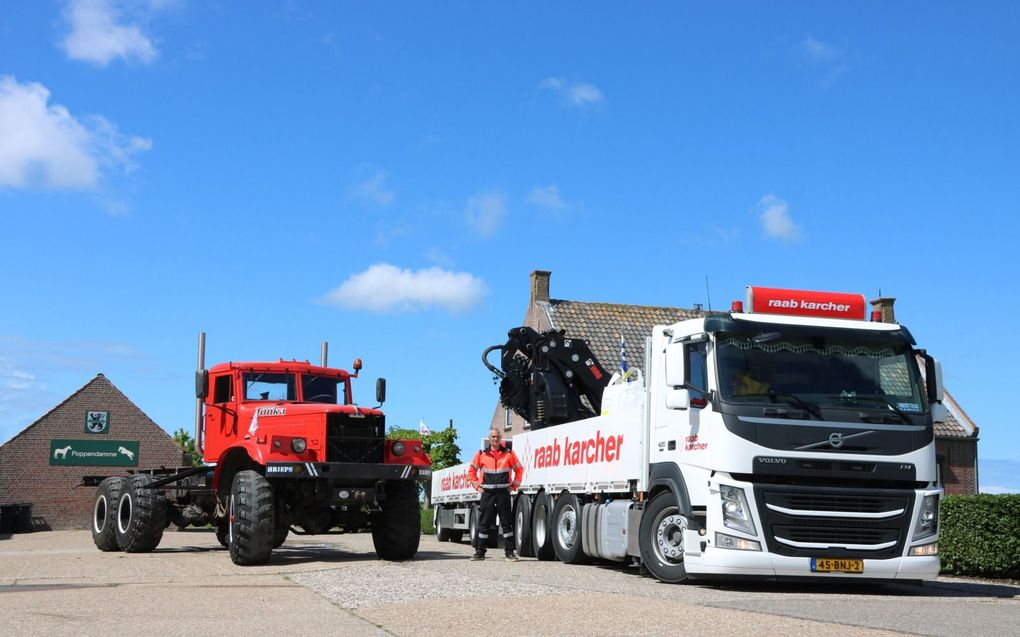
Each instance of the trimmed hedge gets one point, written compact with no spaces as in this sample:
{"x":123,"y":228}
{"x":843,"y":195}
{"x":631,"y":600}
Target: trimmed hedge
{"x":427,"y":527}
{"x":980,"y":535}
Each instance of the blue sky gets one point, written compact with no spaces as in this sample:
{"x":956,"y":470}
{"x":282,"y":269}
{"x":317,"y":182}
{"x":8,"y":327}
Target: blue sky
{"x":385,"y":176}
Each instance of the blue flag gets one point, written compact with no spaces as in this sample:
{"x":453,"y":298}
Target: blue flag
{"x":623,"y":356}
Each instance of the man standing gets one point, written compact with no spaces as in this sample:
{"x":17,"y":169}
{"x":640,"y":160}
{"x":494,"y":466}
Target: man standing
{"x":489,"y":474}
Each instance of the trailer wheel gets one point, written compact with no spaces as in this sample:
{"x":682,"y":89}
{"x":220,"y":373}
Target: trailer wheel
{"x":104,"y":514}
{"x":566,"y":530}
{"x":661,"y":539}
{"x":280,"y":534}
{"x":541,"y":533}
{"x":474,"y":514}
{"x":251,"y":519}
{"x":223,"y":533}
{"x":443,"y":534}
{"x":522,"y":525}
{"x":396,"y":530}
{"x":141,"y":515}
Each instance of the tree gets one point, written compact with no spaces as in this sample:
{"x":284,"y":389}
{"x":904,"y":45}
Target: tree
{"x":440,"y":445}
{"x":187,"y":444}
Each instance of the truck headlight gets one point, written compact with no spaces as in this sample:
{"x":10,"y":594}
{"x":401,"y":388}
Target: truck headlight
{"x":298,"y":445}
{"x":928,"y":521}
{"x":398,"y":448}
{"x":736,"y":513}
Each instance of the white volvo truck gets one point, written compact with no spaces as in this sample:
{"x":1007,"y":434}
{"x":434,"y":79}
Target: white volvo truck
{"x":790,"y":439}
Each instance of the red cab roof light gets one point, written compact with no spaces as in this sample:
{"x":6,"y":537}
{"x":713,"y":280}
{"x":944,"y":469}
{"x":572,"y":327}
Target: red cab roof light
{"x":761,"y":300}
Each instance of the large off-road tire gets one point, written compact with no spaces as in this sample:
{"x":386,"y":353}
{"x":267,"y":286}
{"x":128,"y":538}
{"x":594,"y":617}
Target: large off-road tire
{"x":661,"y":539}
{"x":396,"y":530}
{"x":223,"y":533}
{"x":141,"y":515}
{"x":104,"y":514}
{"x":251,"y":519}
{"x":443,"y":534}
{"x":566,"y":530}
{"x":280,"y":534}
{"x":522,"y":525}
{"x":541,"y":527}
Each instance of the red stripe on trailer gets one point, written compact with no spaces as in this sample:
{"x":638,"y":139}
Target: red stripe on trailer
{"x":805,"y":303}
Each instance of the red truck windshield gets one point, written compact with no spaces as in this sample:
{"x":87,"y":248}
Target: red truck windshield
{"x":281,"y":386}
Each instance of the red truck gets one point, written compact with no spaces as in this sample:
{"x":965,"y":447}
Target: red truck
{"x":286,"y":449}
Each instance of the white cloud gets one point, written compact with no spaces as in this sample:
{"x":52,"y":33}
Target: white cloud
{"x":577,"y":94}
{"x":98,"y":34}
{"x":817,"y":50}
{"x":547,"y":197}
{"x":774,"y":214}
{"x":45,"y":146}
{"x":384,"y":288}
{"x":374,"y":189}
{"x":824,"y":57}
{"x":484,"y":212}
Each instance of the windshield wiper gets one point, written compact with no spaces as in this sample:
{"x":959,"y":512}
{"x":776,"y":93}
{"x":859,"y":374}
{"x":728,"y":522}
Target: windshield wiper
{"x":857,"y":398}
{"x":811,"y":408}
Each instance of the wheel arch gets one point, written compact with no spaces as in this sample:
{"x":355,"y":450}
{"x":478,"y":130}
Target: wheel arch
{"x":666,"y":476}
{"x":233,"y":460}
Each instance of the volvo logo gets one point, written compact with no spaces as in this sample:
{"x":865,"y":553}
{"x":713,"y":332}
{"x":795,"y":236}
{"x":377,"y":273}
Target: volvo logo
{"x":835,"y":440}
{"x":768,"y":460}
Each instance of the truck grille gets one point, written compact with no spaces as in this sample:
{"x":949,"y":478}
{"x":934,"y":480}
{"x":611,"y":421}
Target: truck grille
{"x":801,"y":521}
{"x":351,"y":439}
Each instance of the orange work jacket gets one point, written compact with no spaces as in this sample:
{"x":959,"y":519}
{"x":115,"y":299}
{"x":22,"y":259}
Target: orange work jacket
{"x":495,"y":467}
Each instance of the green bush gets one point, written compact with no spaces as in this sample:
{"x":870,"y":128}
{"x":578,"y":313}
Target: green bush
{"x":427,"y":527}
{"x":980,"y":535}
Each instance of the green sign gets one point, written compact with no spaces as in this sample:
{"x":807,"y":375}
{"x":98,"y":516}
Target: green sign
{"x":107,"y":453}
{"x":97,"y":422}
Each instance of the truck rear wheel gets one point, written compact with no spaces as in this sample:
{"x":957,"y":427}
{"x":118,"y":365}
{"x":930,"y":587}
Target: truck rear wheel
{"x":141,"y":515}
{"x":104,"y":514}
{"x":250,"y":539}
{"x":473,"y":516}
{"x":541,"y":535}
{"x":661,"y":539}
{"x":522,"y":525}
{"x":396,"y":530}
{"x":566,"y":530}
{"x":443,"y":534}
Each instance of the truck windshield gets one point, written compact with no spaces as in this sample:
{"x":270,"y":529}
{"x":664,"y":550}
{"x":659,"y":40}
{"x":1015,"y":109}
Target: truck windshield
{"x":269,"y":386}
{"x":322,"y":389}
{"x":820,"y":370}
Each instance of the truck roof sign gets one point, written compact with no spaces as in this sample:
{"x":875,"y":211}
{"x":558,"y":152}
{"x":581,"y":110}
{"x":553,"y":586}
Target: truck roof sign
{"x":762,"y":300}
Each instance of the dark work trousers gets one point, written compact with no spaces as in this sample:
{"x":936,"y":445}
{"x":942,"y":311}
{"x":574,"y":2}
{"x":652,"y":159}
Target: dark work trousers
{"x":494,"y":500}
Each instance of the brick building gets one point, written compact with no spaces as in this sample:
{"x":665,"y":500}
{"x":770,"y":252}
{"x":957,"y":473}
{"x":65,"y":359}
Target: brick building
{"x":602,"y":324}
{"x":96,"y":431}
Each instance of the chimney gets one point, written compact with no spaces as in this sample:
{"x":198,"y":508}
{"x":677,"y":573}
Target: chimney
{"x":540,"y":286}
{"x":884,"y":304}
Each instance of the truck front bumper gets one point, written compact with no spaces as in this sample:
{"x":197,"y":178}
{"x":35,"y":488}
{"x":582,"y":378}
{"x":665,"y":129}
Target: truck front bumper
{"x":346,"y":472}
{"x":717,"y":561}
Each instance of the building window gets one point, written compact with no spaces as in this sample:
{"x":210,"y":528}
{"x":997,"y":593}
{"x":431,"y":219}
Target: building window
{"x":508,"y":419}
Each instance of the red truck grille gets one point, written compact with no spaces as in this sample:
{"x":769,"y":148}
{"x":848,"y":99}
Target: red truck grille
{"x":351,"y":439}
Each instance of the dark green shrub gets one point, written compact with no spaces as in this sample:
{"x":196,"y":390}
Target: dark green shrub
{"x":980,"y":535}
{"x":427,"y":527}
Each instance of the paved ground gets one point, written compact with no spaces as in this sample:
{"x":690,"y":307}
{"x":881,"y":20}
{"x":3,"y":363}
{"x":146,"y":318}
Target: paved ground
{"x":57,"y":582}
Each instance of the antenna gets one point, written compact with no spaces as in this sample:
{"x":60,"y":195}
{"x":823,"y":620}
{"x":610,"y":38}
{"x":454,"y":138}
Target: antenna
{"x":708,"y":293}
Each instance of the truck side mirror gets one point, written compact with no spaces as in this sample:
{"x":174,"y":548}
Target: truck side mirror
{"x":675,"y":365}
{"x":933,"y":379}
{"x":380,"y":391}
{"x":677,"y":398}
{"x":201,"y":384}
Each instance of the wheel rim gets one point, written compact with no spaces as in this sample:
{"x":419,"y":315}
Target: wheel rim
{"x":230,"y":523}
{"x":669,"y":536}
{"x":124,"y":513}
{"x":99,"y":514}
{"x":519,"y":522}
{"x":540,"y":530}
{"x":566,"y":526}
